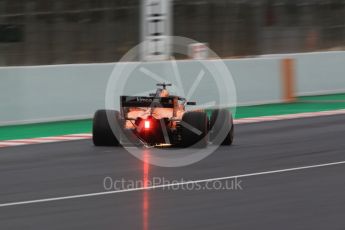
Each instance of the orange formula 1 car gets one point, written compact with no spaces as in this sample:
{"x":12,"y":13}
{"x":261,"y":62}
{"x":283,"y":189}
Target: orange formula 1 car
{"x":161,"y":119}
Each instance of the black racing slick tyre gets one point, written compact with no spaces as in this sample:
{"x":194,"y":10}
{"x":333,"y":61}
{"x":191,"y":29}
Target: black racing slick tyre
{"x":102,"y":134}
{"x":221,"y":121}
{"x":194,"y":129}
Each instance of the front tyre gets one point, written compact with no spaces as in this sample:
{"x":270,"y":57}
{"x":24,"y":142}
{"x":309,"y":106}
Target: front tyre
{"x":102,"y":134}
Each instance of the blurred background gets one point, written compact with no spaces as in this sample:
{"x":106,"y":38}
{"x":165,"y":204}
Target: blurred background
{"x":39,"y":32}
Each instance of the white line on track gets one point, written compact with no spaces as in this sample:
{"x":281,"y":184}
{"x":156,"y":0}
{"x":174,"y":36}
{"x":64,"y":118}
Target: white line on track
{"x":169,"y":185}
{"x":288,"y":116}
{"x":41,"y":140}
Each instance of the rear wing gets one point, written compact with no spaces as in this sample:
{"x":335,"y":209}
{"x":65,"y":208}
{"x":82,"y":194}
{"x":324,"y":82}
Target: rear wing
{"x":157,"y":102}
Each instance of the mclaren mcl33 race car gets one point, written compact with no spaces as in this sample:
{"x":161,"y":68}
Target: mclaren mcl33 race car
{"x":161,"y":119}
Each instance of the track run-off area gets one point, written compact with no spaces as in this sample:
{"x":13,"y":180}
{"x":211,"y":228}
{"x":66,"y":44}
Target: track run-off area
{"x":289,"y":175}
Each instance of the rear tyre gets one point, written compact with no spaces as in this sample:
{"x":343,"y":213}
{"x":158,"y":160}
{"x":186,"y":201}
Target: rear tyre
{"x":221,"y":121}
{"x":194,"y":129}
{"x":102,"y":134}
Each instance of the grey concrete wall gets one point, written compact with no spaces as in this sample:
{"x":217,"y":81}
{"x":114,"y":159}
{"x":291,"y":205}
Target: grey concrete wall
{"x":320,"y":73}
{"x":34,"y":94}
{"x":63,"y":92}
{"x":317,"y":73}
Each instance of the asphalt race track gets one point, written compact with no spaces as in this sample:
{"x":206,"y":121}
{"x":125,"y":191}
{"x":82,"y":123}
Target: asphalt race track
{"x":305,"y":198}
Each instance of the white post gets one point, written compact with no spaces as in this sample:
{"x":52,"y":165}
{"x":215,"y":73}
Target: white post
{"x":155,"y":29}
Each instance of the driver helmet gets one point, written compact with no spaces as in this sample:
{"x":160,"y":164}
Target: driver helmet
{"x":164,"y":93}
